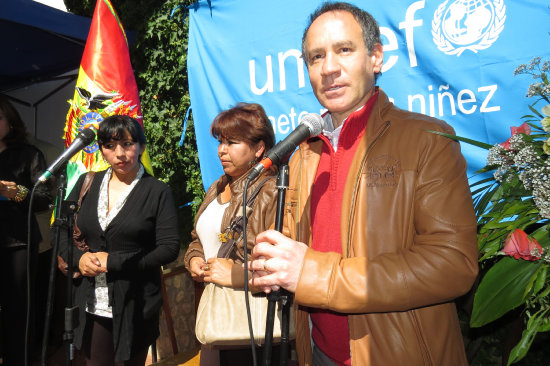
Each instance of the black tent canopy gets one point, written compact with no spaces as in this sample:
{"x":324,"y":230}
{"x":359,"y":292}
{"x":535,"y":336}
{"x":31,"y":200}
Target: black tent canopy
{"x":38,"y":42}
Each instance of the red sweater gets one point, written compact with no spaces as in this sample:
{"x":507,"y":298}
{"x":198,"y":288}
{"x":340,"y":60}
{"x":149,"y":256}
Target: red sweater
{"x":330,"y":330}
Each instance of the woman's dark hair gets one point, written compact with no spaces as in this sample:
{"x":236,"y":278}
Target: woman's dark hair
{"x":115,"y":127}
{"x":245,"y":122}
{"x":18,"y":131}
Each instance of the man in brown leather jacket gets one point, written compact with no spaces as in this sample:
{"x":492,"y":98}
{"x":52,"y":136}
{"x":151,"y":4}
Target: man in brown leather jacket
{"x":385,"y":212}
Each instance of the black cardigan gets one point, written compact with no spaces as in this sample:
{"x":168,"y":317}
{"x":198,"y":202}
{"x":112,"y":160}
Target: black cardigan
{"x":141,"y":238}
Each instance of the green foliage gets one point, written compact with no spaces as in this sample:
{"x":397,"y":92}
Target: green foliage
{"x":160,"y":55}
{"x":80,"y":7}
{"x":501,"y":209}
{"x":503,"y":288}
{"x":463,"y":139}
{"x":516,"y":200}
{"x":491,"y":345}
{"x":130,"y":12}
{"x":535,"y":324}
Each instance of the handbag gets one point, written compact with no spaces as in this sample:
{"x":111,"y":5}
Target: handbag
{"x":222,"y":318}
{"x":221,"y":315}
{"x":78,"y":238}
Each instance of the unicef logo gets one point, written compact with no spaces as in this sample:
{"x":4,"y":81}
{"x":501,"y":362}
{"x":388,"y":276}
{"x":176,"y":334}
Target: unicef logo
{"x":467,"y":25}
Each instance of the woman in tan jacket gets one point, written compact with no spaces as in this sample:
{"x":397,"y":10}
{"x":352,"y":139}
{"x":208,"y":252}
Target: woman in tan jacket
{"x":245,"y":135}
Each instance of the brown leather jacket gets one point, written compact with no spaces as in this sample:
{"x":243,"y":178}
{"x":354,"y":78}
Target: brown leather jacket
{"x":408,"y":243}
{"x":260,"y":219}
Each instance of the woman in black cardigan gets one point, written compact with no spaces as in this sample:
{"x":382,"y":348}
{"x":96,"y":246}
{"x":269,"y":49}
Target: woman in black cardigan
{"x":130,"y":224}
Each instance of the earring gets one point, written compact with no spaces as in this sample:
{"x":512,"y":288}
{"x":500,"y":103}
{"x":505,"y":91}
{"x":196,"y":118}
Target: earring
{"x":251,"y":163}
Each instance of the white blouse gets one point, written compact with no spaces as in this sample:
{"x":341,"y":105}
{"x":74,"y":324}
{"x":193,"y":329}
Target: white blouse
{"x":208,"y":228}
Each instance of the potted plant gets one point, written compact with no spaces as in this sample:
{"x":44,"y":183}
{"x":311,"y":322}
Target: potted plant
{"x":513,"y":212}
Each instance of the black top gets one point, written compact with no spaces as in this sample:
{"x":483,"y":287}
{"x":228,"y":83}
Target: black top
{"x":141,"y":238}
{"x":22,"y":164}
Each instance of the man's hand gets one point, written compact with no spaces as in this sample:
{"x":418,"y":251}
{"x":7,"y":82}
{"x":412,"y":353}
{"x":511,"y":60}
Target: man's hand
{"x":276,"y":261}
{"x":92,"y":264}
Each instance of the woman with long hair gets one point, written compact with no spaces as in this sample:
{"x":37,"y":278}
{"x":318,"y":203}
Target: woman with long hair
{"x":20,"y":166}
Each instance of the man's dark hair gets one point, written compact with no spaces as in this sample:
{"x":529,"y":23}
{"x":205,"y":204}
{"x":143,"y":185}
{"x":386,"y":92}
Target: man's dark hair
{"x":369,"y":26}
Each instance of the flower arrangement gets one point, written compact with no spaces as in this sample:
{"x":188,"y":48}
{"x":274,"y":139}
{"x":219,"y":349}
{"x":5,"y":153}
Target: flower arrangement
{"x":513,"y":212}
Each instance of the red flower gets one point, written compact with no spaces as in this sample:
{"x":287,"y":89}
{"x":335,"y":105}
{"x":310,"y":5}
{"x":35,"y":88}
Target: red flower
{"x":519,"y":245}
{"x":524,"y":128}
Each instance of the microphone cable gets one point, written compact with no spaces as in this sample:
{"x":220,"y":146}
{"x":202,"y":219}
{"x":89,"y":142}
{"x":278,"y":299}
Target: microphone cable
{"x":30,"y":282}
{"x":246,"y":288}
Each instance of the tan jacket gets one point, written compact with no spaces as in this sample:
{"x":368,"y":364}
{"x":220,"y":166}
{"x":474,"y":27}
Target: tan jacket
{"x":408,"y":243}
{"x":261,"y":218}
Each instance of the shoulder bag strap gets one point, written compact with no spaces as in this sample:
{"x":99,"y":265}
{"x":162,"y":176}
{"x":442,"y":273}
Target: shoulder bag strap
{"x":78,"y":238}
{"x":85,"y":186}
{"x":236,"y":224}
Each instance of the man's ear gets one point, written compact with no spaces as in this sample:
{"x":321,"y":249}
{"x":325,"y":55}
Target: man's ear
{"x":377,"y":57}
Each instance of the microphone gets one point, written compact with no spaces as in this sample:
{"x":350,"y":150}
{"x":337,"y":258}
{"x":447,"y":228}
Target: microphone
{"x":311,"y":125}
{"x":82,"y":139}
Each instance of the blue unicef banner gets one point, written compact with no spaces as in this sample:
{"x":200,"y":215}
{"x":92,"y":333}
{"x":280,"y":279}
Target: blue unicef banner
{"x":451,"y":59}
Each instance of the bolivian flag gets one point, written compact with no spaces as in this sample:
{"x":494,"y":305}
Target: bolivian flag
{"x":105,"y":86}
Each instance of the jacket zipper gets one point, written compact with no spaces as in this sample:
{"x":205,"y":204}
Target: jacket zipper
{"x":421,"y":343}
{"x":356,"y":185}
{"x":298,"y":206}
{"x":353,"y":209}
{"x":298,"y":238}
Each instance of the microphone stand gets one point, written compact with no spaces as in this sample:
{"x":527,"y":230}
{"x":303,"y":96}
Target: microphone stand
{"x":283,"y":295}
{"x":64,"y":218}
{"x":60,"y":193}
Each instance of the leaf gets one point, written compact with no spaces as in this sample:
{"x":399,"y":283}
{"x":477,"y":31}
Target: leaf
{"x":502,"y":289}
{"x":535,"y":127}
{"x":545,"y":325}
{"x":483,"y":181}
{"x":464,"y":139}
{"x":497,"y":225}
{"x":491,"y":242}
{"x":542,"y":235}
{"x":540,"y":279}
{"x":487,"y":168}
{"x":490,"y":249}
{"x":535,"y":111}
{"x":517,"y":207}
{"x":483,"y":204}
{"x":527,"y":337}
